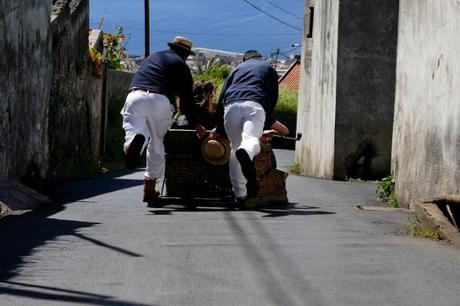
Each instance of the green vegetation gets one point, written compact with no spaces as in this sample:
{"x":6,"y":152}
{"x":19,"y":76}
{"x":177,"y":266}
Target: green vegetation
{"x":114,"y":52}
{"x":215,"y":73}
{"x":286,"y":113}
{"x":415,"y":229}
{"x":386,"y":191}
{"x":287,"y":101}
{"x":294,"y":168}
{"x":97,"y":62}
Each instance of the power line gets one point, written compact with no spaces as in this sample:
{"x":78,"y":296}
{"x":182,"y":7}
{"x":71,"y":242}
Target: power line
{"x":271,"y":16}
{"x":282,"y":9}
{"x":229,"y":34}
{"x":135,"y":29}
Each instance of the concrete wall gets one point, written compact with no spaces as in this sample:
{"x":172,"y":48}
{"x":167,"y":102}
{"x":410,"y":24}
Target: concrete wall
{"x":24,"y":91}
{"x":315,"y":152}
{"x":118,"y":84}
{"x":426,"y":138}
{"x":117,"y":87}
{"x":347,"y":97}
{"x":366,"y":74}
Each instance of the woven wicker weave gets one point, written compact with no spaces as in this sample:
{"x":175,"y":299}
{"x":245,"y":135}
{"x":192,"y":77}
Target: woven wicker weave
{"x":188,"y":175}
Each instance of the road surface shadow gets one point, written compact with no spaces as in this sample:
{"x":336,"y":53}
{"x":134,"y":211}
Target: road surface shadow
{"x":75,"y":190}
{"x":59,"y":294}
{"x":280,"y":210}
{"x":23,"y":233}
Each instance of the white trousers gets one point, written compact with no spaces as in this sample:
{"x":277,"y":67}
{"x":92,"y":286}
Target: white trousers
{"x":149,"y":114}
{"x":244,"y":124}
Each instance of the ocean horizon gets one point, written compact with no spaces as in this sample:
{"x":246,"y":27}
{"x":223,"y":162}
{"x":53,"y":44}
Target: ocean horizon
{"x":230,"y":25}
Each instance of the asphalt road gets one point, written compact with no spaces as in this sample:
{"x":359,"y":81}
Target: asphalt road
{"x":100,"y":245}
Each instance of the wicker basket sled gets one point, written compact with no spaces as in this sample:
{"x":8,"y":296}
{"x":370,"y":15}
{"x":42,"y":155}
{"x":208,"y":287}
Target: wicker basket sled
{"x":188,"y":176}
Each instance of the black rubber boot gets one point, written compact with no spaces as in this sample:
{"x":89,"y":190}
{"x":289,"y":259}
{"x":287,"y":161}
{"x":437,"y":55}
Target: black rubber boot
{"x":249,"y":171}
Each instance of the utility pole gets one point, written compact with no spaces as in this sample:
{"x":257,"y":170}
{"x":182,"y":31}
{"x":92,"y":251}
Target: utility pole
{"x":147,"y":27}
{"x":276,"y":59}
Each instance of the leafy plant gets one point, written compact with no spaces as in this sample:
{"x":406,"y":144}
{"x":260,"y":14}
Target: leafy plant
{"x":97,"y":61}
{"x":214,"y":73}
{"x":415,"y":229}
{"x":294,"y":168}
{"x":115,"y":53}
{"x":386,"y":191}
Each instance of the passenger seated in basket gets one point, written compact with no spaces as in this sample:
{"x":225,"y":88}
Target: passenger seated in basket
{"x":203,"y":94}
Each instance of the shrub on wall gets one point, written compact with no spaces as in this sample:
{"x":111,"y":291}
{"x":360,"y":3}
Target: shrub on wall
{"x":115,"y":53}
{"x":97,"y":62}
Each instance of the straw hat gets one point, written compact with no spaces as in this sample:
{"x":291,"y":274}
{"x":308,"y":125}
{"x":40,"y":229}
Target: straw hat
{"x":183,"y":43}
{"x":216,"y":151}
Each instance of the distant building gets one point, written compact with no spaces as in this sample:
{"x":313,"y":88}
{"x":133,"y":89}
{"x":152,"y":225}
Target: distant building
{"x":206,"y":57}
{"x":291,"y":78}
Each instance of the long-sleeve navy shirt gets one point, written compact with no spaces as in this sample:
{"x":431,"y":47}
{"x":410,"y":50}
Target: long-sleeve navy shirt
{"x":167,"y":73}
{"x":253,"y":80}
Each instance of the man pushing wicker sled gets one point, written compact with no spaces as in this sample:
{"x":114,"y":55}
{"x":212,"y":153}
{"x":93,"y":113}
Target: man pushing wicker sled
{"x":245,"y":113}
{"x":150,"y":106}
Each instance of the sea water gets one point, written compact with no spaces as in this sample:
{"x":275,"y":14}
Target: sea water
{"x":231,"y":25}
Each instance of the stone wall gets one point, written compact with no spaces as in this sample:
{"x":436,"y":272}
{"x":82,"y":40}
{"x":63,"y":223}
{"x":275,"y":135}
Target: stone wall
{"x":70,"y":103}
{"x":426,"y":138}
{"x":47,"y":111}
{"x":24,"y":88}
{"x":347,"y":97}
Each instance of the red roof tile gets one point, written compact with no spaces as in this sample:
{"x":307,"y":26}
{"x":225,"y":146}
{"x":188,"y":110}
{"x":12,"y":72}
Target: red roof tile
{"x":291,"y":78}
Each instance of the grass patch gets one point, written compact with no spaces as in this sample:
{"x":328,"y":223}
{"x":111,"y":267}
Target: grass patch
{"x":286,"y":113}
{"x":386,"y":191}
{"x":287,"y":101}
{"x":415,"y":229}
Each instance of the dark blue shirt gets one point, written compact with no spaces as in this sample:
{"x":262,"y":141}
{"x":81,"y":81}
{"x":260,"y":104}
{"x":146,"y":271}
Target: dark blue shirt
{"x":253,"y":80}
{"x":167,"y":73}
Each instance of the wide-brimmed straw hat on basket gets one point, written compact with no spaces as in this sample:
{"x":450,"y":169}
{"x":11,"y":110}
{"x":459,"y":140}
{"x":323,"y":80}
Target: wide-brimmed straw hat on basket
{"x":183,"y":43}
{"x":216,"y":151}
